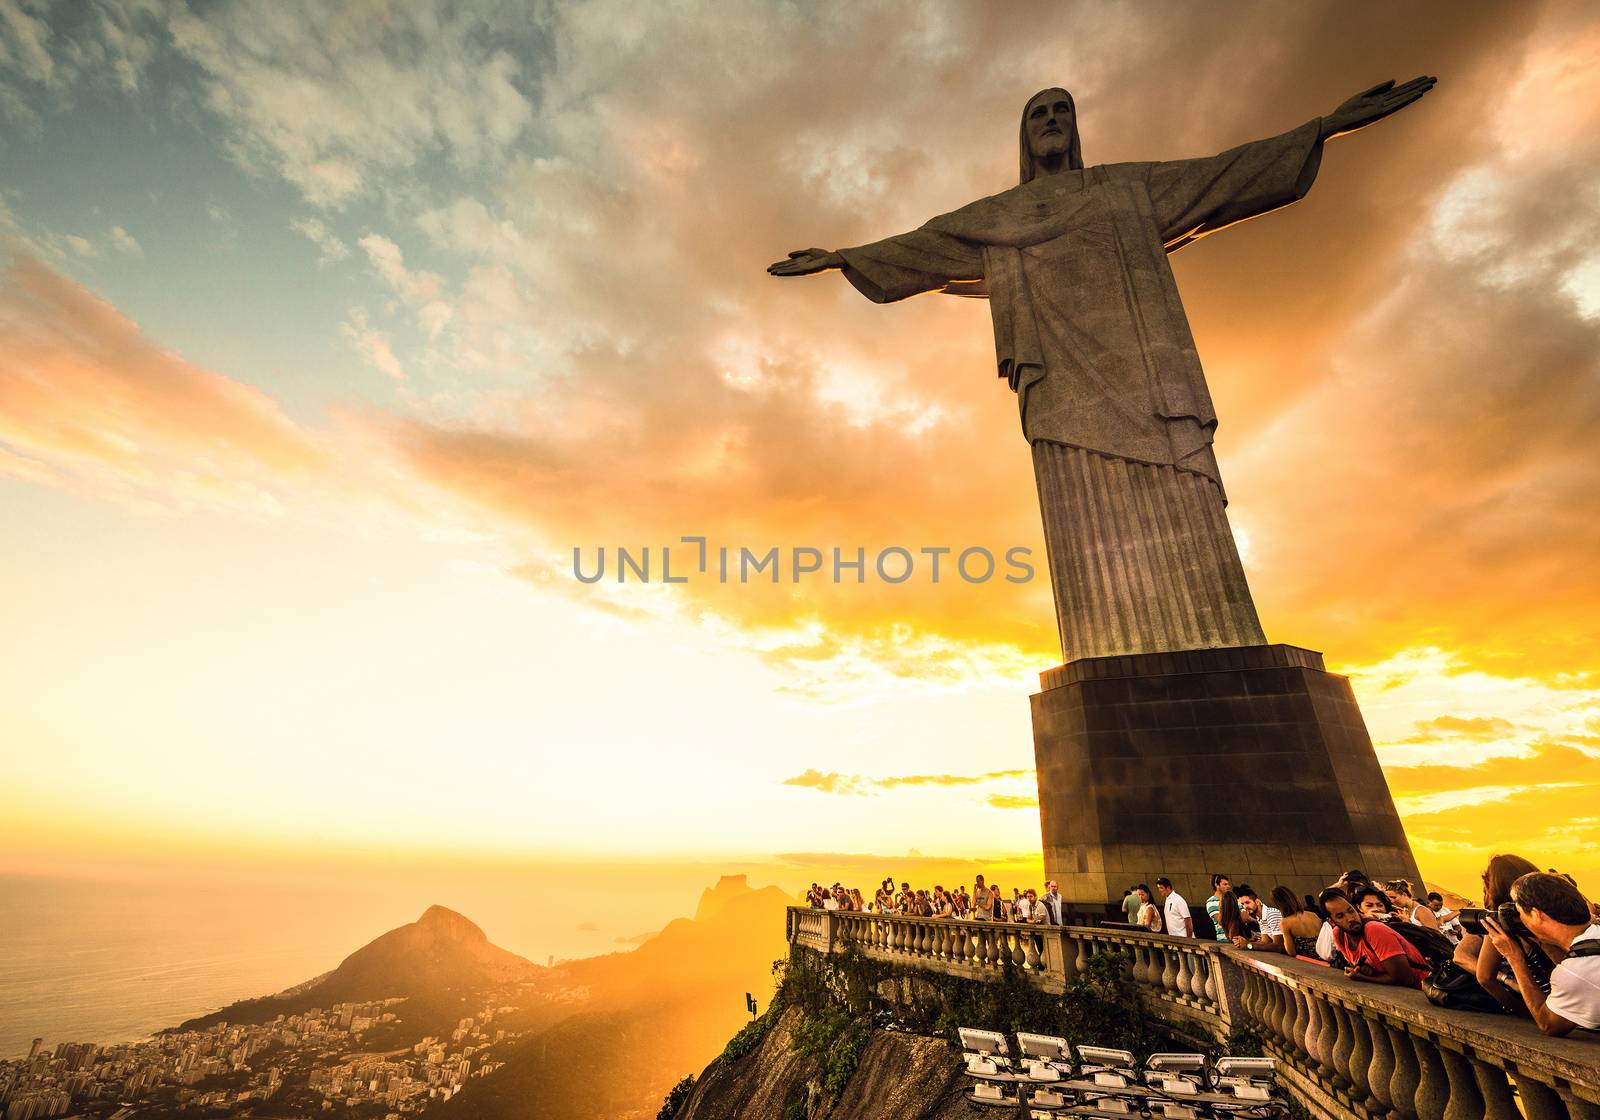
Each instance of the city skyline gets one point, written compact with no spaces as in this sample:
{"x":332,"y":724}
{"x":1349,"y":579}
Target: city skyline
{"x":333,"y":335}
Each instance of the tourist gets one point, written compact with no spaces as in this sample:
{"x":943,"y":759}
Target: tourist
{"x":1219,"y":886}
{"x":983,"y":901}
{"x":1376,"y":953}
{"x":1299,"y":927}
{"x":1449,"y":920}
{"x":1131,"y":905}
{"x":1479,"y":956}
{"x":1267,"y":919}
{"x":1555,"y":912}
{"x":1179,"y":922}
{"x":1400,"y":892}
{"x":1373,"y":904}
{"x":1022,"y":907}
{"x":857,"y":903}
{"x":1052,"y":904}
{"x":1229,"y":920}
{"x":1036,"y":913}
{"x":1149,"y":915}
{"x":963,"y":902}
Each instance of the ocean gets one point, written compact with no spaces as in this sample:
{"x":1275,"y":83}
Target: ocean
{"x":112,"y":961}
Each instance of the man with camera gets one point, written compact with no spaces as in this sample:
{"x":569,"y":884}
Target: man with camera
{"x":1555,"y":912}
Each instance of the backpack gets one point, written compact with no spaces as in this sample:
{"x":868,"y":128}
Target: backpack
{"x":1590,"y":948}
{"x":1434,"y":946}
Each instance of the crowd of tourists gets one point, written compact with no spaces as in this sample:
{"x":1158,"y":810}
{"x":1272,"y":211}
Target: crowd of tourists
{"x":985,"y":903}
{"x":1533,"y":949}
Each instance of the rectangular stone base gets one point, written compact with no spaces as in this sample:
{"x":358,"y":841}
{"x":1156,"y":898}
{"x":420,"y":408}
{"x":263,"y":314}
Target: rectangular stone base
{"x":1252,"y":761}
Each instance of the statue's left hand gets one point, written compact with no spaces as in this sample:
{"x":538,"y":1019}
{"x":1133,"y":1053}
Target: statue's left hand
{"x":803,"y":262}
{"x":1373,"y":105}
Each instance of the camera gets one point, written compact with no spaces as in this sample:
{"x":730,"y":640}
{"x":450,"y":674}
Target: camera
{"x":1505,"y":914}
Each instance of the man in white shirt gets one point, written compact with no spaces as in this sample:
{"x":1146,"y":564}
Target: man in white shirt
{"x":1051,"y":902}
{"x":1554,"y":911}
{"x":1449,"y":920}
{"x":1179,"y":921}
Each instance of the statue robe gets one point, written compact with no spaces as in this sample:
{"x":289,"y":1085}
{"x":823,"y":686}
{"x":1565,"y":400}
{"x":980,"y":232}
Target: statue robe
{"x":1091,"y":334}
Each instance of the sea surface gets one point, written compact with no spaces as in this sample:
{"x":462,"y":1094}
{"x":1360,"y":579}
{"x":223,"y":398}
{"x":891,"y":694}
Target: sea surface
{"x":113,"y":961}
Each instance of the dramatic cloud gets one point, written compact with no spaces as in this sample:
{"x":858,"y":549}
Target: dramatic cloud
{"x":87,"y":401}
{"x":857,"y":784}
{"x":335,"y":98}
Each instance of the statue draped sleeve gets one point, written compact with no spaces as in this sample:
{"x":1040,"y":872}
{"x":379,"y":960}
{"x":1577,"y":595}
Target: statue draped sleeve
{"x":924,"y":260}
{"x":1191,"y":198}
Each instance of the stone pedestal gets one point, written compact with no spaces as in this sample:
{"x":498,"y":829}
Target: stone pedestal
{"x":1252,"y":761}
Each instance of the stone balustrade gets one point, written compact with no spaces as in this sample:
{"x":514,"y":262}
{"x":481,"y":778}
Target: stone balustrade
{"x":1346,"y":1050}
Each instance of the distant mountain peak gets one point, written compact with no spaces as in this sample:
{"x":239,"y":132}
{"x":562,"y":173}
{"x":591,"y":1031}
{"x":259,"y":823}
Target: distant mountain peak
{"x":445,"y":923}
{"x":714,"y":899}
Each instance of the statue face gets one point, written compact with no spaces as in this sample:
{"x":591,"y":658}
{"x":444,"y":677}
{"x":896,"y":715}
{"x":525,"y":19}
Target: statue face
{"x":1050,"y":123}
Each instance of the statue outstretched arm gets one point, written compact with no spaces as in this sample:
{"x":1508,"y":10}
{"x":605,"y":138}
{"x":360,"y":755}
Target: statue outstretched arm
{"x":924,"y":260}
{"x":1195,"y":197}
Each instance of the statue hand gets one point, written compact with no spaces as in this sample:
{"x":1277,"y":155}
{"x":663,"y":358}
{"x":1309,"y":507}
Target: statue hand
{"x":803,"y":262}
{"x":1373,"y":105}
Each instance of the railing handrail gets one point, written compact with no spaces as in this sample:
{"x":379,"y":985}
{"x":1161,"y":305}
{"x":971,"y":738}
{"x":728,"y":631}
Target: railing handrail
{"x":1410,"y":1008}
{"x":1326,"y":1027}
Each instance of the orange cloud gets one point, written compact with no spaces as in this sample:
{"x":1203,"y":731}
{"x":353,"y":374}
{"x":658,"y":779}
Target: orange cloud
{"x":1476,"y":728}
{"x":88,"y":402}
{"x":857,"y":784}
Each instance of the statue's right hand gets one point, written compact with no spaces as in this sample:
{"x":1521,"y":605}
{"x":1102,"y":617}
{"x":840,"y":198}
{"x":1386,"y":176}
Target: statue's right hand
{"x":803,"y":262}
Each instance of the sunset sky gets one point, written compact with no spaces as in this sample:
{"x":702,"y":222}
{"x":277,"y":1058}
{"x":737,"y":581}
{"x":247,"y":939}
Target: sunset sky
{"x":328,"y":331}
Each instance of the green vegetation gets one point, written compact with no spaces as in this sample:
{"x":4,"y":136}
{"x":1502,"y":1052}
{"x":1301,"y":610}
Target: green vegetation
{"x":748,"y":1038}
{"x":841,"y":996}
{"x":675,"y":1098}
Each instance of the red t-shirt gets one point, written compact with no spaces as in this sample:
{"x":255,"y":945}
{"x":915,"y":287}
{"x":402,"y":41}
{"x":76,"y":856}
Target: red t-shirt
{"x":1377,"y":943}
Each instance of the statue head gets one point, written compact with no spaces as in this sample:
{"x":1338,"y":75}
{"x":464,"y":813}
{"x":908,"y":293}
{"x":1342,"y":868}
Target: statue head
{"x":1049,"y":139}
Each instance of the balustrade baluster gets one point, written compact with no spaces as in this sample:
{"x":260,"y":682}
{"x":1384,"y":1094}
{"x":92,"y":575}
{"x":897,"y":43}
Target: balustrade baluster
{"x":1380,"y":1072}
{"x":1145,"y":971}
{"x":1464,"y":1100}
{"x":1319,"y":1039}
{"x":1407,"y":1074}
{"x":1494,"y":1086}
{"x":1540,"y":1101}
{"x":1284,"y":1013}
{"x":1299,"y":1029}
{"x":1085,"y":951}
{"x":1359,"y":1057}
{"x":1207,"y":974}
{"x":1344,"y":1044}
{"x":1433,"y":1086}
{"x":1583,"y":1110}
{"x":1169,"y":972}
{"x":1030,"y":954}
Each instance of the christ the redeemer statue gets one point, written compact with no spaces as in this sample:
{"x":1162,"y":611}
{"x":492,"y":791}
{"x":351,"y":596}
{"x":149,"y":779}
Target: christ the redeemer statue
{"x":1090,"y":333}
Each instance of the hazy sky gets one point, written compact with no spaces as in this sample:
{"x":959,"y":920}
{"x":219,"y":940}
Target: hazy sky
{"x":328,"y":331}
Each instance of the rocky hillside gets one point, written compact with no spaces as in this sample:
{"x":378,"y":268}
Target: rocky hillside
{"x":849,"y":1038}
{"x":900,"y":1076}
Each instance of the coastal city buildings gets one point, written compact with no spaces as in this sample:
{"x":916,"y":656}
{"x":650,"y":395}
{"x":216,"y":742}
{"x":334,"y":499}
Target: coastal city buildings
{"x":305,"y":1063}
